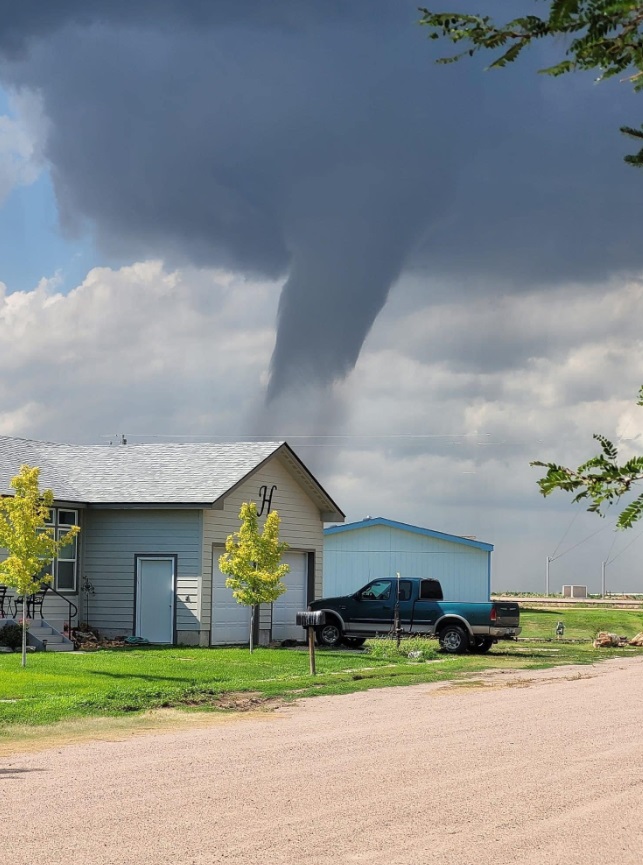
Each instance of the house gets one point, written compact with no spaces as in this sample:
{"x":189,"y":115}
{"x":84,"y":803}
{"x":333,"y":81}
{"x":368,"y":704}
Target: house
{"x":358,"y":552}
{"x":154,"y":519}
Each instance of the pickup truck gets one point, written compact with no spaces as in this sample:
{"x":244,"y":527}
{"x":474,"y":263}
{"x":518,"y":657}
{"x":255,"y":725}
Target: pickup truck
{"x":421,"y":610}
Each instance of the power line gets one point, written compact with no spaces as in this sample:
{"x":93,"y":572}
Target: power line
{"x":626,"y":547}
{"x":573,"y":520}
{"x":582,"y":542}
{"x":607,"y":557}
{"x":310,"y":436}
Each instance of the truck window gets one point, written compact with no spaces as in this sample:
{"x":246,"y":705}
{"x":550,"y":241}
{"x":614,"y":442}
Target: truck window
{"x":431,"y":590}
{"x":405,"y":590}
{"x":380,"y":590}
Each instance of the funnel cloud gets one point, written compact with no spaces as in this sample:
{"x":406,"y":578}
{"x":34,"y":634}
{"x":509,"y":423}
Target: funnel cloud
{"x":318,"y":143}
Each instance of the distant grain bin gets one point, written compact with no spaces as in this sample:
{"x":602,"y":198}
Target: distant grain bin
{"x":356,"y":553}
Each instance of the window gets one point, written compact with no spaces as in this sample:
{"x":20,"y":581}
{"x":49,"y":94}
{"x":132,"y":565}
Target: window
{"x":65,"y":566}
{"x":404,"y":593}
{"x":380,"y":590}
{"x":431,"y":590}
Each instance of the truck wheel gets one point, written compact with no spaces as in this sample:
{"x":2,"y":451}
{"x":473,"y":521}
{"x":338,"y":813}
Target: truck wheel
{"x":329,"y":635}
{"x":454,"y":640}
{"x":354,"y":642}
{"x":482,"y":645}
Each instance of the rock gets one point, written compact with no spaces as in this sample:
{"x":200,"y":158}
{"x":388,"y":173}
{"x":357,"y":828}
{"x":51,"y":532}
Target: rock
{"x":5,"y":650}
{"x":605,"y":640}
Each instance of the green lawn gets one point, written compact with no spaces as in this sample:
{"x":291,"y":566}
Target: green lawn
{"x":580,"y":623}
{"x":57,"y":687}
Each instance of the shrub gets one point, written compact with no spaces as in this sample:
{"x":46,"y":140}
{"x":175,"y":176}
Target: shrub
{"x":411,"y":648}
{"x":11,"y":636}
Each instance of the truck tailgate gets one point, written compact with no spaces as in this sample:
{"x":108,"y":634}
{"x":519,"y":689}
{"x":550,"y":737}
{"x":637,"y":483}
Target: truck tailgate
{"x":507,"y":615}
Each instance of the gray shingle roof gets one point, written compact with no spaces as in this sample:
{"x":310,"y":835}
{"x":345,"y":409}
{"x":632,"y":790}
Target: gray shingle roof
{"x":134,"y":473}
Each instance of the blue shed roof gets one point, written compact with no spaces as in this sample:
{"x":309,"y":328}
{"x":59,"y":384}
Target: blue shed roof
{"x":418,"y":530}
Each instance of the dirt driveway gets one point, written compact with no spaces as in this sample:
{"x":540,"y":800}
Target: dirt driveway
{"x":541,"y":768}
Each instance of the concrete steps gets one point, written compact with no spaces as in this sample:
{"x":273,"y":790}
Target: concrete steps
{"x":46,"y":638}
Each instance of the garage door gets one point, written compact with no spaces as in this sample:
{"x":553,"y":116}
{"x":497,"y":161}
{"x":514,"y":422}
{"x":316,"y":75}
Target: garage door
{"x":292,"y":601}
{"x":230,"y":620}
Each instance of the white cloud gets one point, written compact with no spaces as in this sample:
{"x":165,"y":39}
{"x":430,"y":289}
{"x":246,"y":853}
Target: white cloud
{"x":450,"y":437}
{"x":139,"y":350}
{"x":415,"y":435}
{"x":22,"y":140}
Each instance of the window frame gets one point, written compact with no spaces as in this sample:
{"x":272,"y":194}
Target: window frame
{"x":61,"y":528}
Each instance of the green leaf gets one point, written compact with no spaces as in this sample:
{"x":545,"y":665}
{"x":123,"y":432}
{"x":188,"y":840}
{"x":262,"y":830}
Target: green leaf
{"x":561,"y":12}
{"x":631,"y":514}
{"x":509,"y":56}
{"x":608,"y":447}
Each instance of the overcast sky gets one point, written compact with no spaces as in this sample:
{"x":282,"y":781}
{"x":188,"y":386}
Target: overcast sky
{"x":288,"y":222}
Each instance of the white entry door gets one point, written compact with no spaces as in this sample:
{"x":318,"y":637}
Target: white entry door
{"x":230,"y":620}
{"x":155,"y":579}
{"x":292,"y":601}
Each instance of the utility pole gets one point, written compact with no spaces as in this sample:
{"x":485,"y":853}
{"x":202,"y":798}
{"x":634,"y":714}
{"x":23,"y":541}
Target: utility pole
{"x":547,"y":577}
{"x":603,"y":579}
{"x":396,"y":613}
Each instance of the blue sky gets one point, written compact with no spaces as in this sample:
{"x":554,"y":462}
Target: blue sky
{"x":32,"y":245}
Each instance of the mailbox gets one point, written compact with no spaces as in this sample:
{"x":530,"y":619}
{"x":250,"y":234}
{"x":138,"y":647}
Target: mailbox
{"x":310,"y":619}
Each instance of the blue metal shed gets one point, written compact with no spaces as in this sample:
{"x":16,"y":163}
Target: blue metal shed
{"x":355,"y":553}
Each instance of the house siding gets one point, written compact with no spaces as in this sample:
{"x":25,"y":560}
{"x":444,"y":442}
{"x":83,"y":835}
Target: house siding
{"x":112,"y":540}
{"x":353,"y":558}
{"x":301,"y":527}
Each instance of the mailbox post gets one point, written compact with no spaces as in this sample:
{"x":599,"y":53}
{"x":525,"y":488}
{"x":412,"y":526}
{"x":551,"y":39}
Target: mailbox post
{"x":311,"y":620}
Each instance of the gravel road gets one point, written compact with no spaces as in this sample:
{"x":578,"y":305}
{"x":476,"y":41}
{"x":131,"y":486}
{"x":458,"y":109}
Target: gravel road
{"x":543,"y":767}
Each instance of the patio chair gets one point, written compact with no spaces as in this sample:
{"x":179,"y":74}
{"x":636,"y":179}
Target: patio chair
{"x":34,"y":603}
{"x":3,"y":598}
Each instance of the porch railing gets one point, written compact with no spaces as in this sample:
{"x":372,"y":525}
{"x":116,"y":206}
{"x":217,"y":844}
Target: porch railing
{"x":72,"y":608}
{"x":5,"y":604}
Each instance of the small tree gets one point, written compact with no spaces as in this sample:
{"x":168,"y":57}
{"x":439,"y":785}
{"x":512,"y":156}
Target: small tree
{"x":29,"y":542}
{"x":252,"y":561}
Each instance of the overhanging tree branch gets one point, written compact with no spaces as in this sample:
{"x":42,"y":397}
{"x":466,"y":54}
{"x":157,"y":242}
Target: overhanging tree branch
{"x":605,"y":36}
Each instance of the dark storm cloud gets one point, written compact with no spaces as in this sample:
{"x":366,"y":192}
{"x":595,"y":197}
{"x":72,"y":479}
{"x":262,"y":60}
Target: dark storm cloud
{"x":319,"y":142}
{"x":32,"y":18}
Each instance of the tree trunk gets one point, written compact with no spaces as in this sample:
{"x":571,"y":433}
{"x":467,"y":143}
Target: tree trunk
{"x":24,"y":630}
{"x":252,"y":626}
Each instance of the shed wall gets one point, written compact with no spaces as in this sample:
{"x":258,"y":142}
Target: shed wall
{"x":353,"y":558}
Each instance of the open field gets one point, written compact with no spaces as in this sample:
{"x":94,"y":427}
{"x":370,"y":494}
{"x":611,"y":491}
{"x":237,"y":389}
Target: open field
{"x":57,"y":687}
{"x":581,"y":623}
{"x":625,"y":602}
